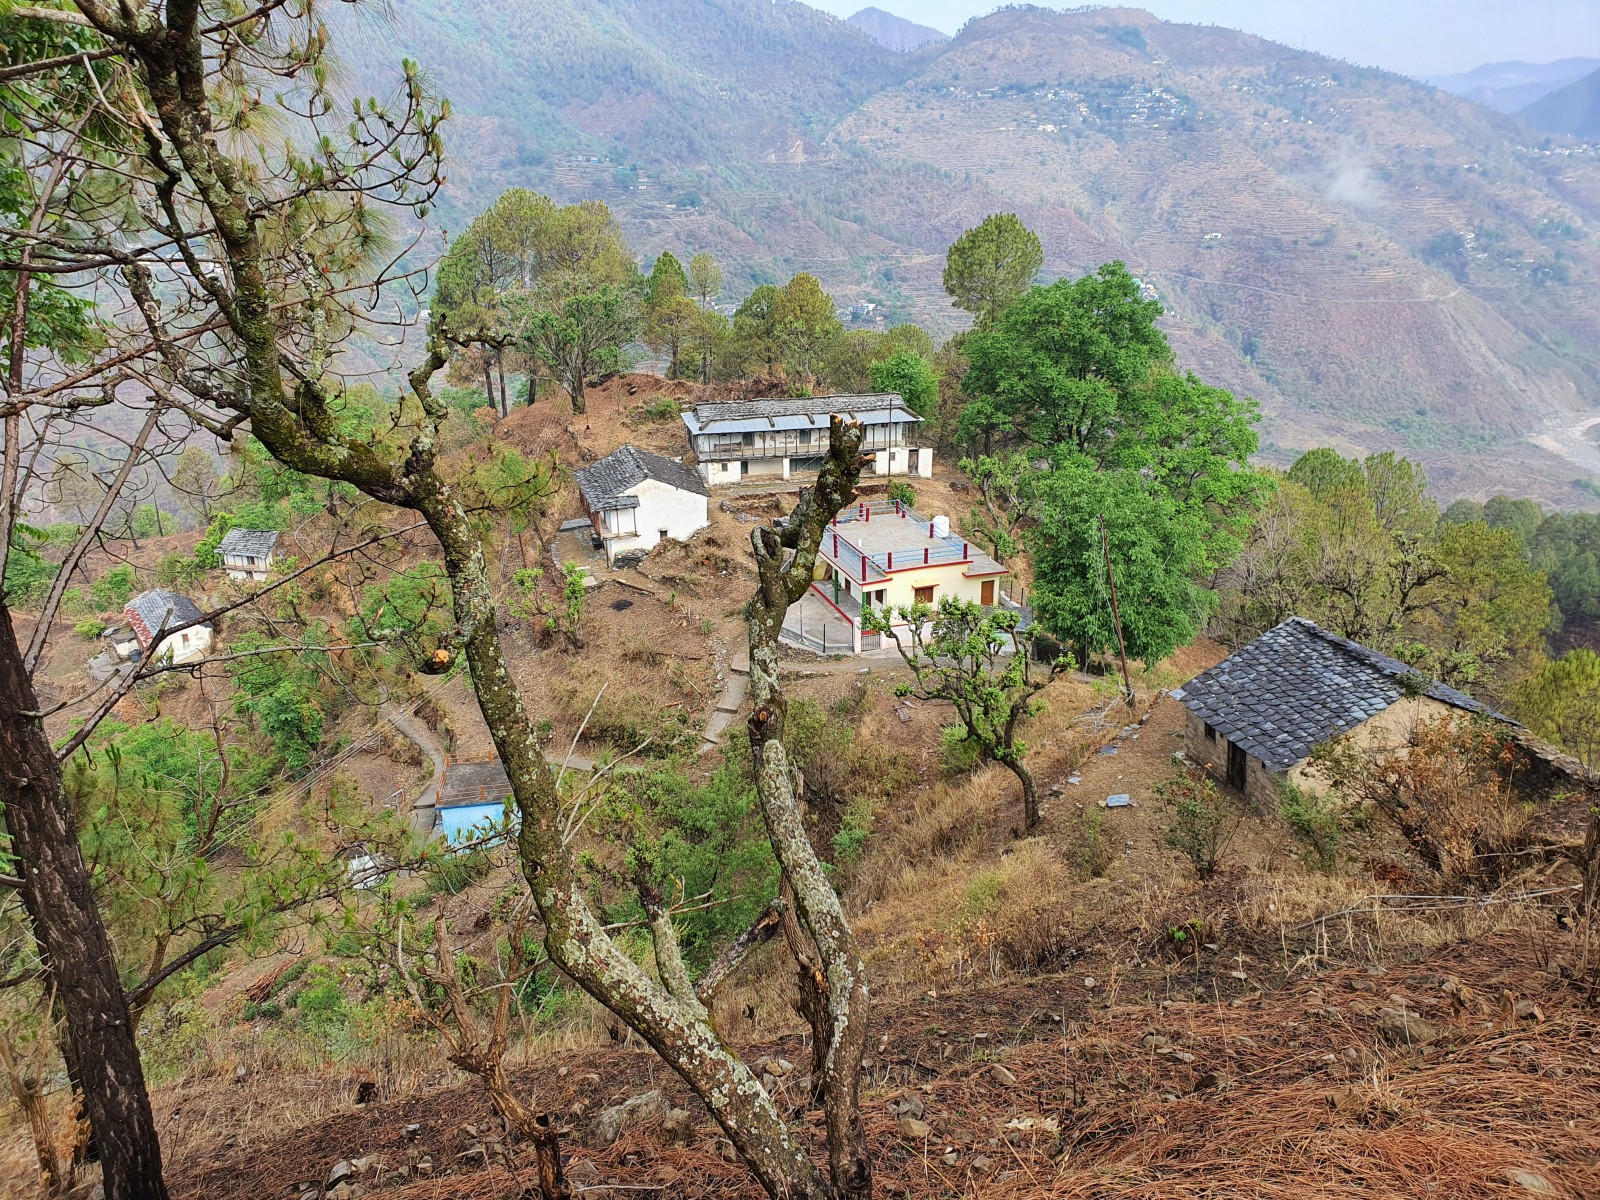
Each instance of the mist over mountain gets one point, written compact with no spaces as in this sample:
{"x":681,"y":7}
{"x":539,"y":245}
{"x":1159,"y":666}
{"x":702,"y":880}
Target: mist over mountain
{"x":1379,"y":263}
{"x":1573,"y":110}
{"x":896,"y":33}
{"x":1509,"y":86}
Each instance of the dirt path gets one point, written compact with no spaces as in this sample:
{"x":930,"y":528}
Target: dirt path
{"x":407,"y":723}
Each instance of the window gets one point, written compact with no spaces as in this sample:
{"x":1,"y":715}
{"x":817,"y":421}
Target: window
{"x":662,"y":534}
{"x":749,"y":439}
{"x":1211,"y":733}
{"x":923,"y":595}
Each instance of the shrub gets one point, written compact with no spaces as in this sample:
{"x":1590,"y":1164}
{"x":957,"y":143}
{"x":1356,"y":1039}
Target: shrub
{"x":89,"y":628}
{"x":958,"y":751}
{"x":1087,"y":848}
{"x":1448,"y":792}
{"x":113,"y":589}
{"x":1201,"y":822}
{"x":902,"y":491}
{"x":1314,"y":821}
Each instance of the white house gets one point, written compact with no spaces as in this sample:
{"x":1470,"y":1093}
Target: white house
{"x":740,"y":440}
{"x":636,"y":499}
{"x":152,"y":614}
{"x":247,"y":553}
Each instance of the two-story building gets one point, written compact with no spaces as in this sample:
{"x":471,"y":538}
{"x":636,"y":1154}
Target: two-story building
{"x":773,"y":439}
{"x":884,"y":554}
{"x":247,"y":553}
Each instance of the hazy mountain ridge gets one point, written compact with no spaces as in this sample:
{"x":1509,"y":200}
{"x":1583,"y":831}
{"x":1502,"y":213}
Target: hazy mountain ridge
{"x":1378,"y":262}
{"x":1509,"y":86}
{"x":896,"y":33}
{"x":1573,"y":110}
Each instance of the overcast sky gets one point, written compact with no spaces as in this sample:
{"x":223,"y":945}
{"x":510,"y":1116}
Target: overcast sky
{"x":1417,"y":37}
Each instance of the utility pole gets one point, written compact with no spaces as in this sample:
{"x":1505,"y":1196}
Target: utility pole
{"x":1116,"y":618}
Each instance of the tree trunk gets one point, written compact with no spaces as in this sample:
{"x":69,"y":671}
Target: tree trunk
{"x":500,"y":366}
{"x":677,"y":1029}
{"x":72,"y":939}
{"x":575,"y":390}
{"x":488,"y":381}
{"x":1030,"y":791}
{"x":782,"y":581}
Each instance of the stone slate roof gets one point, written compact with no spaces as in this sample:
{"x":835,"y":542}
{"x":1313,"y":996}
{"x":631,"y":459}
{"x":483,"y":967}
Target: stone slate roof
{"x":159,"y":609}
{"x":1297,"y":685}
{"x":603,"y":483}
{"x":797,"y":412}
{"x":247,"y":543}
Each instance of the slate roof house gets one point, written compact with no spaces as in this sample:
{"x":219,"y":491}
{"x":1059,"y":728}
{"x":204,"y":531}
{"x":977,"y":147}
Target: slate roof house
{"x":636,"y":499}
{"x":158,"y":610}
{"x":247,"y":553}
{"x":1255,"y":716}
{"x":777,"y":437}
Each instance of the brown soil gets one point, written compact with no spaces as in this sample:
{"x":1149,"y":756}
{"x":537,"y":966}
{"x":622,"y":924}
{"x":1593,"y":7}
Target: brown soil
{"x":1288,"y":1092}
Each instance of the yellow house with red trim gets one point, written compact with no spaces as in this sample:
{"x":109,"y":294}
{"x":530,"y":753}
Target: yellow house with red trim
{"x":882,"y":554}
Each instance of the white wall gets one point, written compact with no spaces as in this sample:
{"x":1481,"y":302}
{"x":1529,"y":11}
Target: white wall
{"x":661,"y":506}
{"x":186,"y":645}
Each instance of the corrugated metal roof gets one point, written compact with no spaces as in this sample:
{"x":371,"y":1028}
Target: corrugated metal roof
{"x":797,"y":412}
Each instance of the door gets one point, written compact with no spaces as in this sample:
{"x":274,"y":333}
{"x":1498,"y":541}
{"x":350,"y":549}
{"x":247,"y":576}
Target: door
{"x":988,"y":593}
{"x":1236,"y":762}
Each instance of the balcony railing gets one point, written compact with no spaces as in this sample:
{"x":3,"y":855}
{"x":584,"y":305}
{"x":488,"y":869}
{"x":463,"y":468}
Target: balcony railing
{"x":928,"y":549}
{"x":781,"y":446}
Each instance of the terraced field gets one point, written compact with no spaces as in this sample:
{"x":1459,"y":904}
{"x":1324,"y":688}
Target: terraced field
{"x":1379,"y":263}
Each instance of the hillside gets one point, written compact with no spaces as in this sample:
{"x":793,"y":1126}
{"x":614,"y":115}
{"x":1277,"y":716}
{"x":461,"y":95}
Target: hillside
{"x":1379,"y":263}
{"x":1509,"y":86}
{"x":897,"y":33}
{"x":1572,"y":110}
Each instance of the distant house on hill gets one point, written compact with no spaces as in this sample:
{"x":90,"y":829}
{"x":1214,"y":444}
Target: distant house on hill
{"x":247,"y":553}
{"x":1255,"y":717}
{"x":152,"y":614}
{"x":742,"y":440}
{"x":472,"y":797}
{"x":636,"y":499}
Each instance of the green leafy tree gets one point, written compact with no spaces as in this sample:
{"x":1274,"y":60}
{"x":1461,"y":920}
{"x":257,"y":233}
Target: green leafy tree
{"x":1063,"y":364}
{"x":977,"y":660}
{"x":1487,"y":611}
{"x":1522,"y":517}
{"x":1008,"y":500}
{"x":1324,"y":472}
{"x":755,"y":330}
{"x":912,"y":376}
{"x":991,"y":265}
{"x":1561,"y":702}
{"x":705,"y":278}
{"x":709,"y":343}
{"x":583,"y":336}
{"x":805,"y":327}
{"x":1160,"y":551}
{"x":668,"y":311}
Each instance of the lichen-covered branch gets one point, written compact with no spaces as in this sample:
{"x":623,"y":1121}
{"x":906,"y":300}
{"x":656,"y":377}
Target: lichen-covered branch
{"x":783,"y":579}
